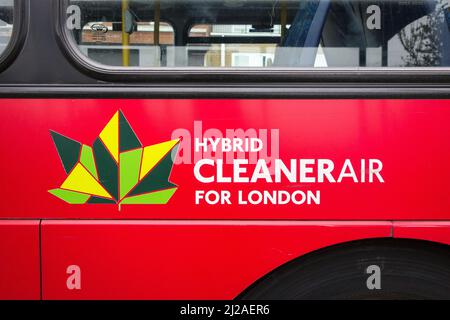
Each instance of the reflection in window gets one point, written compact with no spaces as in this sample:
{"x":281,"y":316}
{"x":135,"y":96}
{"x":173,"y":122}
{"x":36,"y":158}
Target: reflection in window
{"x":263,"y":33}
{"x":6,"y":23}
{"x":233,"y":45}
{"x":103,"y":42}
{"x":424,"y":42}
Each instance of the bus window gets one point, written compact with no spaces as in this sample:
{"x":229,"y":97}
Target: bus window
{"x":245,"y":46}
{"x":104,"y":42}
{"x":423,"y":42}
{"x":262,"y":33}
{"x":6,"y":23}
{"x":120,"y":33}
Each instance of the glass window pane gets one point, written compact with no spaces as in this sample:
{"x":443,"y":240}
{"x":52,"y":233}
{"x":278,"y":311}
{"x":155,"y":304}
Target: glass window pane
{"x":262,"y":33}
{"x":6,"y":23}
{"x":104,"y":42}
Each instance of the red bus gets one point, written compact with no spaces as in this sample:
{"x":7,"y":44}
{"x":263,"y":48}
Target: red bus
{"x":236,"y":149}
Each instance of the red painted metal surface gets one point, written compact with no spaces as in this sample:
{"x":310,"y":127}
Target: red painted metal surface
{"x":213,"y":251}
{"x":19,"y":260}
{"x":410,"y":137}
{"x":180,"y":259}
{"x":436,"y":231}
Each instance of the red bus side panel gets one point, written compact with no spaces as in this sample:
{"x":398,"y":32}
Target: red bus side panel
{"x":409,"y":137}
{"x":436,"y":231}
{"x":178,"y":259}
{"x":19,"y":260}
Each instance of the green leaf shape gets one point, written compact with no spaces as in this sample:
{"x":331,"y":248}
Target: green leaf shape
{"x":71,"y":197}
{"x":99,"y":200}
{"x":130,"y":165}
{"x":88,"y":161}
{"x":157,"y":197}
{"x":127,"y":138}
{"x":156,"y":179}
{"x":68,"y":150}
{"x":107,"y":169}
{"x":113,"y":172}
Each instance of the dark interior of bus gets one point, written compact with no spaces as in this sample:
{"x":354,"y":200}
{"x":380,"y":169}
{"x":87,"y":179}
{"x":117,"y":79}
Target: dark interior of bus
{"x":279,"y":33}
{"x":302,"y":24}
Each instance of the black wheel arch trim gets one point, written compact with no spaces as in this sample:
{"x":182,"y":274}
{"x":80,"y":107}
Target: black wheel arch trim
{"x":325,"y":250}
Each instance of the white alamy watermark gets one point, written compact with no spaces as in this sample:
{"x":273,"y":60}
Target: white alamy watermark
{"x":374,"y":280}
{"x":73,"y":281}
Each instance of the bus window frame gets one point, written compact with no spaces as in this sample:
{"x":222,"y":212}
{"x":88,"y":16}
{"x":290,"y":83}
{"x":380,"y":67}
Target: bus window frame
{"x":15,"y":44}
{"x":332,"y":75}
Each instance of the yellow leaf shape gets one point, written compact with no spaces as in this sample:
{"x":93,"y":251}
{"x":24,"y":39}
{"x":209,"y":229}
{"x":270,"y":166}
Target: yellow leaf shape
{"x":110,"y":136}
{"x":153,"y":154}
{"x":82,"y":181}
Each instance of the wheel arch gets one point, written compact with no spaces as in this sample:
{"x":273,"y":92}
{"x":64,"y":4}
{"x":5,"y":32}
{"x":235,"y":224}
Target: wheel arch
{"x":328,"y":250}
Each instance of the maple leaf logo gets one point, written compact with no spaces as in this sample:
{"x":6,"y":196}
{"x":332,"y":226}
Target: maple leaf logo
{"x":116,"y":169}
